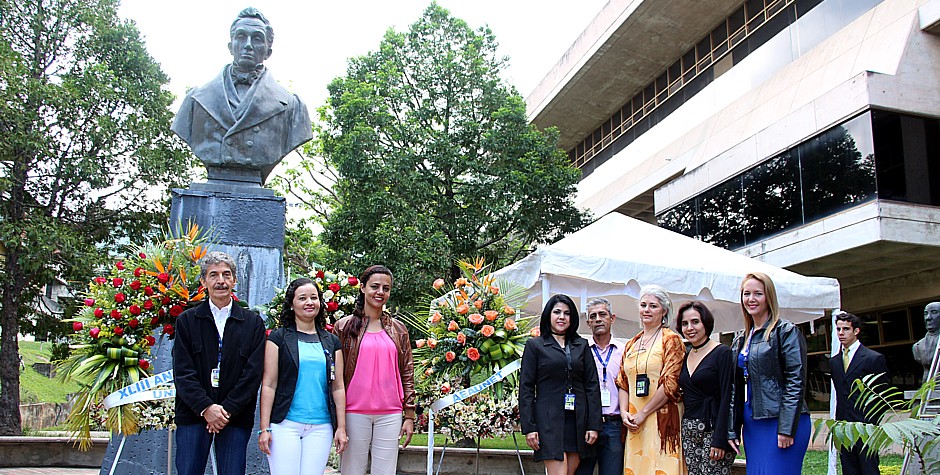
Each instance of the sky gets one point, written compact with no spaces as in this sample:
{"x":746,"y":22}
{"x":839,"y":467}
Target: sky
{"x":314,"y":39}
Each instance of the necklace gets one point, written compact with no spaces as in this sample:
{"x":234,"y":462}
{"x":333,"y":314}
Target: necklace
{"x":643,"y":342}
{"x":699,"y":347}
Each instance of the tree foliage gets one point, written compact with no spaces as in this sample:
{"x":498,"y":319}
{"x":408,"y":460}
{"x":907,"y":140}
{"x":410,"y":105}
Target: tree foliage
{"x":436,"y":159}
{"x":85,"y":149}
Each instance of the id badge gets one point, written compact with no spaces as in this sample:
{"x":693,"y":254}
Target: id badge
{"x":332,"y":371}
{"x":605,"y":397}
{"x":214,"y":377}
{"x":642,"y":385}
{"x":569,"y":402}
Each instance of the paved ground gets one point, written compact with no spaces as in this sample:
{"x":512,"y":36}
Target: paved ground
{"x":79,"y":471}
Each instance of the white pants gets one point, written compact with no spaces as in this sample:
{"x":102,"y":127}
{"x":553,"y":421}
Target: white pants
{"x":299,"y":449}
{"x":378,"y":432}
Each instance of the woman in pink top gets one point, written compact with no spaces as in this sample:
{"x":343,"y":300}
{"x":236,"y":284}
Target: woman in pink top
{"x":379,"y":375}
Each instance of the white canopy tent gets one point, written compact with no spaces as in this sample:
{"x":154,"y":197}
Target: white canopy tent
{"x":617,"y":255}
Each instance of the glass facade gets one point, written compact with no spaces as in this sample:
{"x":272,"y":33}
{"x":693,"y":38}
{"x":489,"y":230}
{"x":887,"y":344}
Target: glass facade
{"x":877,"y":154}
{"x":756,"y":40}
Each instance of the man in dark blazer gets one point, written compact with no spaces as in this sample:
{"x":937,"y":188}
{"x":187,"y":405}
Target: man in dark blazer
{"x":853,"y":362}
{"x":242,"y":123}
{"x":218,"y":358}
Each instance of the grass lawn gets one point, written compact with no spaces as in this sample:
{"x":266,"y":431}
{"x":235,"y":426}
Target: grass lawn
{"x":35,"y":387}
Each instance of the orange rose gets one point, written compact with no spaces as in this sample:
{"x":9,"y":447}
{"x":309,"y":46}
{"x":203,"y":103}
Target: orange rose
{"x":473,"y":354}
{"x":429,"y":371}
{"x":463,"y":309}
{"x":442,"y":304}
{"x":420,"y":343}
{"x":533,"y":333}
{"x":487,"y":330}
{"x":436,"y":317}
{"x":452,"y":326}
{"x":510,"y":324}
{"x":491,"y":315}
{"x":494,"y":290}
{"x":461,"y":338}
{"x":449,"y":356}
{"x":476,"y":318}
{"x":509,"y":310}
{"x":461,"y":282}
{"x":432,"y":343}
{"x":438,"y":284}
{"x":478,"y":304}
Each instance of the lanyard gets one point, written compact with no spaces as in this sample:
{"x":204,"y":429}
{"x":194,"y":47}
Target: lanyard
{"x":636,"y":363}
{"x":220,"y":353}
{"x":610,"y":350}
{"x":568,"y":369}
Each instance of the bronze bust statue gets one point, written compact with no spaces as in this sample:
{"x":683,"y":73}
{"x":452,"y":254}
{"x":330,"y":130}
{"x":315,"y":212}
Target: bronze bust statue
{"x":927,"y":346}
{"x":242,"y":123}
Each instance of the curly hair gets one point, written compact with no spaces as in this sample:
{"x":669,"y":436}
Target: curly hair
{"x":287,"y":318}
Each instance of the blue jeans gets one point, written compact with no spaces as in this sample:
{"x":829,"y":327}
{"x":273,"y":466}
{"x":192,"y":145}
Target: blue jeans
{"x":609,"y":458}
{"x":192,"y":449}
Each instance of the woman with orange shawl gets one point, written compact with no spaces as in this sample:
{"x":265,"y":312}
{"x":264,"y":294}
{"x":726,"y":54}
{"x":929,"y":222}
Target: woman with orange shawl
{"x":649,"y":389}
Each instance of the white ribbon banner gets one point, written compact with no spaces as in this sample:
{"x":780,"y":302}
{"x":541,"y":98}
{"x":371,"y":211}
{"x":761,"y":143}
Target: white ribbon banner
{"x":159,"y":386}
{"x":458,"y":396}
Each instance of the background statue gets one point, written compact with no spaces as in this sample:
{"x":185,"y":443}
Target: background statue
{"x":242,"y":123}
{"x":927,"y":346}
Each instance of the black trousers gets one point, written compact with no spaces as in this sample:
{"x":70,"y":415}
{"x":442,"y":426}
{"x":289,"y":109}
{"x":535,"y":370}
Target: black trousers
{"x":858,"y":462}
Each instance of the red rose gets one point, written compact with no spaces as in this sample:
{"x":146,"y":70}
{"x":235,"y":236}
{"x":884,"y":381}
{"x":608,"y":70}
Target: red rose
{"x":142,"y":255}
{"x":353,"y":281}
{"x":450,"y":356}
{"x":150,"y":340}
{"x":148,"y":291}
{"x":118,"y":331}
{"x":165,"y":300}
{"x":99,"y":312}
{"x":120,"y":297}
{"x":163,"y":277}
{"x":138,"y":272}
{"x":89,"y":302}
{"x":100,"y":280}
{"x":334,"y":287}
{"x":119,"y":265}
{"x":134,"y":309}
{"x":115,"y":314}
{"x":175,"y":311}
{"x":134,"y":323}
{"x":118,"y":281}
{"x":94,"y":332}
{"x":144,"y":364}
{"x":267,"y":332}
{"x":332,"y":306}
{"x":161,"y":313}
{"x":445,"y":388}
{"x":473,"y":354}
{"x":77,"y":326}
{"x":135,"y":285}
{"x":154,"y":321}
{"x":148,"y":304}
{"x":168,"y":329}
{"x":329,"y":327}
{"x":320,"y":274}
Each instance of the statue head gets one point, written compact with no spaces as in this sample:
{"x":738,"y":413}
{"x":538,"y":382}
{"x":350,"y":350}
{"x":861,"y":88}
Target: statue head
{"x":932,"y":317}
{"x":251,"y":38}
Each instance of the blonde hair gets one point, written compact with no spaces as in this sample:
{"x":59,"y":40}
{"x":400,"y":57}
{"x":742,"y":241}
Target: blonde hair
{"x":770,"y":296}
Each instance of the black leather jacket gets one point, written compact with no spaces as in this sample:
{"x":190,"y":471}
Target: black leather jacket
{"x":777,"y":374}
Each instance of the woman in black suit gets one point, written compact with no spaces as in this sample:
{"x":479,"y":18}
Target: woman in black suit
{"x":559,"y":396}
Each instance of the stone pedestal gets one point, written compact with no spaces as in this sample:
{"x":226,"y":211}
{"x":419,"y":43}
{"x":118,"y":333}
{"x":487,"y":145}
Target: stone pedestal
{"x":246,"y":222}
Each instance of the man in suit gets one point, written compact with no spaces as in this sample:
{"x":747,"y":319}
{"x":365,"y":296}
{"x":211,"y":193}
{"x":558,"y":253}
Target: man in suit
{"x":218,"y":357}
{"x":853,"y":362}
{"x":242,"y":123}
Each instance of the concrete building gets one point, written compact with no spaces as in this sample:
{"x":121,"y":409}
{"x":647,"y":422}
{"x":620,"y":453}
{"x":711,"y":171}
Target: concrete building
{"x":803,"y":133}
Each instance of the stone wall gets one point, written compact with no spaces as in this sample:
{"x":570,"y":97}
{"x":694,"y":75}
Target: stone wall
{"x":44,"y":415}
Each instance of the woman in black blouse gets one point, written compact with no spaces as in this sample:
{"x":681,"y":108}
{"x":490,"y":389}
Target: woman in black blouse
{"x":706,"y":390}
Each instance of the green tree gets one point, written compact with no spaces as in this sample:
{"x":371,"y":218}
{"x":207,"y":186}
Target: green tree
{"x":436,"y":159}
{"x":85,"y":149}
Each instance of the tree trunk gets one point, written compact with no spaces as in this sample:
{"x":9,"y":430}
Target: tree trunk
{"x":10,"y":423}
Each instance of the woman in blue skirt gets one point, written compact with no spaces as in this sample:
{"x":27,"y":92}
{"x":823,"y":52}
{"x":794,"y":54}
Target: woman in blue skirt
{"x":769,"y":384}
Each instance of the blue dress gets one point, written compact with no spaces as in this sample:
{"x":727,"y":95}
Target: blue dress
{"x":760,"y":442}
